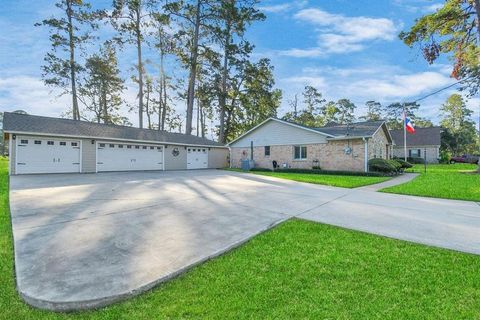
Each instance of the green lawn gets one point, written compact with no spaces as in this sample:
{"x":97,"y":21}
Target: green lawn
{"x":297,"y":270}
{"x":325,"y":179}
{"x":449,"y":181}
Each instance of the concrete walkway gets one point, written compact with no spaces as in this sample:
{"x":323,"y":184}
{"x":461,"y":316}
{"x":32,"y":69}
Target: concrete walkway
{"x":84,"y":241}
{"x":404,"y":178}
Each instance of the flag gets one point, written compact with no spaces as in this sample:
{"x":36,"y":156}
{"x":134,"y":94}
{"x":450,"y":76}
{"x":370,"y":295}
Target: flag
{"x":409,"y":125}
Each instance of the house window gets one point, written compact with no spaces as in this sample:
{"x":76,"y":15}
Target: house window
{"x":129,"y":147}
{"x":137,"y":147}
{"x":24,"y":141}
{"x":151,"y":148}
{"x":267,"y":151}
{"x":144,"y":147}
{"x":102,"y":145}
{"x":111,"y":146}
{"x":300,"y":152}
{"x":74,"y":144}
{"x":63,"y":143}
{"x":50,"y":143}
{"x":38,"y":142}
{"x":120,"y":146}
{"x":415,"y":153}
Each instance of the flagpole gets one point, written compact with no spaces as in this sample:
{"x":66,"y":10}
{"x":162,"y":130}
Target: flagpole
{"x":404,"y":132}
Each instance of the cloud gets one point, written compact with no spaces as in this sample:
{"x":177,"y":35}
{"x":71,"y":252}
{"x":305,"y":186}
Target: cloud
{"x":283,"y":7}
{"x":339,"y":34}
{"x":418,"y":6}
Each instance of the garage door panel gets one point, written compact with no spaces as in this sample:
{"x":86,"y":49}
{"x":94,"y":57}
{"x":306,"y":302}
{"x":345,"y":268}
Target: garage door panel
{"x":128,"y":157}
{"x":42,"y":155}
{"x":197,"y":158}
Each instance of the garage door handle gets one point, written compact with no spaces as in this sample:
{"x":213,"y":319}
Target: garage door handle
{"x":21,"y":163}
{"x":99,"y":162}
{"x":75,"y":162}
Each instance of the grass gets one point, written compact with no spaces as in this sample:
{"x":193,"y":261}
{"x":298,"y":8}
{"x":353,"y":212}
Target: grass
{"x":325,"y":179}
{"x":449,"y":181}
{"x":297,"y":270}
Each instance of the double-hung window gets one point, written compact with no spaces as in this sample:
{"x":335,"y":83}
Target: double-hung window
{"x":300,"y":152}
{"x":267,"y":151}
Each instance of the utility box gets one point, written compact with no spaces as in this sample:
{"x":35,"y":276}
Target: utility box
{"x":247,"y":165}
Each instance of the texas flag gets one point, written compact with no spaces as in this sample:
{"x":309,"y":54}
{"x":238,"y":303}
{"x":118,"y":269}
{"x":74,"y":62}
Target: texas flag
{"x":409,"y":125}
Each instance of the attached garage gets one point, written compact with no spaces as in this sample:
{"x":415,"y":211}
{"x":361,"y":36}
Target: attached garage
{"x":52,"y":145}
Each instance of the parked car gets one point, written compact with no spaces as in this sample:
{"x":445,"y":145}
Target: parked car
{"x":466,"y":158}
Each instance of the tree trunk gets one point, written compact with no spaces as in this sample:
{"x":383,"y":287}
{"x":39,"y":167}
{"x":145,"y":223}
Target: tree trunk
{"x":147,"y":106}
{"x":104,"y":107}
{"x":193,"y":72}
{"x":75,"y":109}
{"x":198,"y":117}
{"x":222,"y":101}
{"x":140,"y":65}
{"x":202,"y":120}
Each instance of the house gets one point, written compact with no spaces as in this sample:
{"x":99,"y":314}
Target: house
{"x":51,"y":145}
{"x":424,"y":139}
{"x":333,"y":147}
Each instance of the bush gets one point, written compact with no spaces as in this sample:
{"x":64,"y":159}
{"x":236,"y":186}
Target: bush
{"x":396,"y":164}
{"x":382,"y":165}
{"x":331,"y":172}
{"x":316,"y":168}
{"x":404,"y":164}
{"x":261,"y":169}
{"x":415,"y":160}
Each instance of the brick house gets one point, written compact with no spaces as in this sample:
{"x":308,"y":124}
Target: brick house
{"x":425,"y":140}
{"x":333,"y":147}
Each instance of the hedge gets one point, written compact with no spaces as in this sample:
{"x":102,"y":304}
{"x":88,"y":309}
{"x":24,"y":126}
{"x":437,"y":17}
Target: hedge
{"x":330,"y":172}
{"x":385,"y":166}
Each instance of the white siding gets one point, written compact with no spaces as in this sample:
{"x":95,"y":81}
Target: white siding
{"x":277,"y":133}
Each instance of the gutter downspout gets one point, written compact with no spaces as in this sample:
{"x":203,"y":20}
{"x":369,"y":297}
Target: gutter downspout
{"x":366,"y":153}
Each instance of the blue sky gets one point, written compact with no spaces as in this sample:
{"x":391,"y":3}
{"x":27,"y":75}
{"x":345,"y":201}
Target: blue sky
{"x":347,"y":49}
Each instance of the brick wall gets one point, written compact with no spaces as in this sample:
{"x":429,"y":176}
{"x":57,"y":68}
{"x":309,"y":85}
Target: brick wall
{"x":330,"y":156}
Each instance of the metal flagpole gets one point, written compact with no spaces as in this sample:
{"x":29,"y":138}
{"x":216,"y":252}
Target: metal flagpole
{"x":404,"y":132}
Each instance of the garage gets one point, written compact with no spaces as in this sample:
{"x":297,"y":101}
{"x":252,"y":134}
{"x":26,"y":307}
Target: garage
{"x":40,"y":155}
{"x":129,"y":157}
{"x":197,"y":158}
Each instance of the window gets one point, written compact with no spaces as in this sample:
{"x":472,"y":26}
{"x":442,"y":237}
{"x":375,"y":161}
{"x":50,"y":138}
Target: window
{"x":159,"y":148}
{"x":203,"y":150}
{"x":137,"y":147}
{"x":38,"y":142}
{"x":102,"y":145}
{"x":24,"y":141}
{"x":144,"y":147}
{"x":300,"y":152}
{"x":50,"y":143}
{"x":63,"y":143}
{"x":111,"y":145}
{"x":129,"y":147}
{"x":415,"y":153}
{"x":74,"y":144}
{"x":120,"y":146}
{"x":151,"y":148}
{"x":267,"y":151}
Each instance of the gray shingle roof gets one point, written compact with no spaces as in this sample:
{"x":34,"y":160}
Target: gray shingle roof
{"x":357,"y":129}
{"x":14,"y":122}
{"x":422,"y":137}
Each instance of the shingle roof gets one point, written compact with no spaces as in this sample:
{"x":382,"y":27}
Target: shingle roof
{"x":357,"y":129}
{"x":422,"y":137}
{"x":15,"y":122}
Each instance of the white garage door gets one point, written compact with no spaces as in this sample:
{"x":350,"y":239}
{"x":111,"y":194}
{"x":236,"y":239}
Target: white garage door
{"x":128,"y":157}
{"x":197,"y":158}
{"x":35,"y":155}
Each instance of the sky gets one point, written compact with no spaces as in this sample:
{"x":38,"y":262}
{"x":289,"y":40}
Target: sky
{"x":346,"y":49}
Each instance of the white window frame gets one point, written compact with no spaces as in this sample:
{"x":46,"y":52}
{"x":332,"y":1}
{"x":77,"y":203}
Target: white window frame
{"x":303,"y":156}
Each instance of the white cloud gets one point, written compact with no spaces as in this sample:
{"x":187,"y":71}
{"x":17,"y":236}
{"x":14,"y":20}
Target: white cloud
{"x":339,"y":34}
{"x":283,"y":7}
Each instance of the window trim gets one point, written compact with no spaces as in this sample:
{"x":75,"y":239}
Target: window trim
{"x":265,"y":153}
{"x":303,"y":155}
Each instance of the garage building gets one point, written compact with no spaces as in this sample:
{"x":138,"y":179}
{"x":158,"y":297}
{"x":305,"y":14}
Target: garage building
{"x":52,"y":145}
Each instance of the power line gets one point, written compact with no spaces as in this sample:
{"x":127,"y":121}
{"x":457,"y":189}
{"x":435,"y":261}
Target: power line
{"x":442,"y":89}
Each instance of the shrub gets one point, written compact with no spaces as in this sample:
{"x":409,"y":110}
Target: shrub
{"x":404,"y":164}
{"x":415,"y":160}
{"x":330,"y":172}
{"x":316,"y":168}
{"x":261,"y":169}
{"x":382,"y":165}
{"x":396,"y":164}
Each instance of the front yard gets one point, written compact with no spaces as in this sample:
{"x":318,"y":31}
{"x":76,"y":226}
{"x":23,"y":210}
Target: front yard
{"x":343,"y":181}
{"x":449,"y":181}
{"x":297,"y":270}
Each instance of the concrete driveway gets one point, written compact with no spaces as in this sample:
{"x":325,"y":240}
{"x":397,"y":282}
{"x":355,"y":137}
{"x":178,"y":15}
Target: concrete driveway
{"x":84,"y":241}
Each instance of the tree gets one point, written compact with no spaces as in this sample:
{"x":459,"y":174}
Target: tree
{"x":453,"y":30}
{"x":346,"y":110}
{"x":374,"y":111}
{"x":193,"y":17}
{"x":394,"y":113}
{"x":460,"y":135}
{"x":130,"y":18}
{"x":103,"y":86}
{"x":67,"y":35}
{"x":231,"y":20}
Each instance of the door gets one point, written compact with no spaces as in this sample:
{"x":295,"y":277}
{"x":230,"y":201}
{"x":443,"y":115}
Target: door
{"x":128,"y":157}
{"x":42,"y":155}
{"x":197,"y":158}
